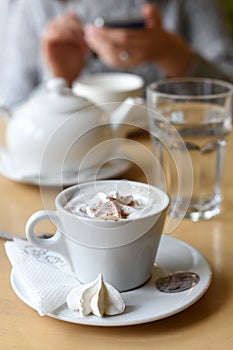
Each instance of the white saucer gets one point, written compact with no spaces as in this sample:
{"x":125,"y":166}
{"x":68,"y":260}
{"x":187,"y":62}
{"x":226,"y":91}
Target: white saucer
{"x":108,"y":170}
{"x":146,"y":304}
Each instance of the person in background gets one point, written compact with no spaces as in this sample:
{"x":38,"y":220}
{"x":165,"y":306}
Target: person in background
{"x":57,"y":38}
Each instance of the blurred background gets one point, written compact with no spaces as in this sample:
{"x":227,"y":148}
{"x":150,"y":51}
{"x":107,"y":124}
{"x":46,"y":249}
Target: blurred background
{"x":3,"y":20}
{"x":227,"y":6}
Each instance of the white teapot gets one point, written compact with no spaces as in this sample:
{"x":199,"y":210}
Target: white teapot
{"x":58,"y":131}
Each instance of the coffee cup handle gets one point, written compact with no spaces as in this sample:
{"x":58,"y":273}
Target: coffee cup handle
{"x":55,"y":242}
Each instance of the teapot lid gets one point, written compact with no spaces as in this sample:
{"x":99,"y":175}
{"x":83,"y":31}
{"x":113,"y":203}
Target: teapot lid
{"x":57,"y":99}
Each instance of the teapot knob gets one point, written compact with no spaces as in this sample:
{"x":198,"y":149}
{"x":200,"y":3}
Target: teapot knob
{"x":58,"y":86}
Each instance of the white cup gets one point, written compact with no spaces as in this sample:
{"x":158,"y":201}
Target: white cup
{"x":123,"y":251}
{"x":103,"y":88}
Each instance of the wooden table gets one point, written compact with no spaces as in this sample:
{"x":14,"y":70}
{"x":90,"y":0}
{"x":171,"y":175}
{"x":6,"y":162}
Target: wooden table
{"x":208,"y":324}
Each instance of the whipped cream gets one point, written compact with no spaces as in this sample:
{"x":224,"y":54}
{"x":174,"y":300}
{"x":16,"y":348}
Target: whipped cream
{"x":110,"y":206}
{"x":97,"y":297}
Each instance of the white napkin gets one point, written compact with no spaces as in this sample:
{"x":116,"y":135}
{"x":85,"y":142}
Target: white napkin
{"x":44,"y":274}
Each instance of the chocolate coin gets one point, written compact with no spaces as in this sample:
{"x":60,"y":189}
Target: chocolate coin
{"x":177,"y":282}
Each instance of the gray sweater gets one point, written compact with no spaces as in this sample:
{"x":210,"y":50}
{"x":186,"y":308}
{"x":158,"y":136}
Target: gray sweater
{"x":199,"y":22}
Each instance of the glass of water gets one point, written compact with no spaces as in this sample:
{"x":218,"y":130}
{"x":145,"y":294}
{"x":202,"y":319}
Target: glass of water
{"x":201,"y":111}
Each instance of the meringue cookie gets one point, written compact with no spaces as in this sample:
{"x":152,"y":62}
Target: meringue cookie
{"x":97,"y":297}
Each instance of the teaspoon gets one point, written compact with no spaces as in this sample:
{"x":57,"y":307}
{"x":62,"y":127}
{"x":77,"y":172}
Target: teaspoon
{"x":10,"y":236}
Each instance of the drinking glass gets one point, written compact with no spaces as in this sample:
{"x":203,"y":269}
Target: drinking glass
{"x":201,"y":111}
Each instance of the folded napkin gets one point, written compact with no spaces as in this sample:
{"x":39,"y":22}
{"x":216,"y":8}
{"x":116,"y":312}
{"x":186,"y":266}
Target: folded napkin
{"x":45,"y":275}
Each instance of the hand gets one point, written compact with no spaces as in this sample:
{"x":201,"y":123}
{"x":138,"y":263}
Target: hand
{"x":150,"y":44}
{"x":64,"y":47}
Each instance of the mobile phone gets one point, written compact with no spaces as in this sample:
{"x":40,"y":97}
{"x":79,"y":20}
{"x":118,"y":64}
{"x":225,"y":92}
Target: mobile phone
{"x":133,"y":23}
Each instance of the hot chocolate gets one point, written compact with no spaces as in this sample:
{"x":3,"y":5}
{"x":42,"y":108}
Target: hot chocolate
{"x":112,"y":206}
{"x":120,"y":243}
